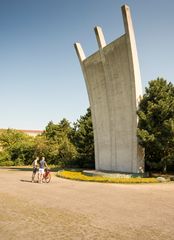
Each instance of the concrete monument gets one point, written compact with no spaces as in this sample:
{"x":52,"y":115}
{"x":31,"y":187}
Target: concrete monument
{"x":113,"y":83}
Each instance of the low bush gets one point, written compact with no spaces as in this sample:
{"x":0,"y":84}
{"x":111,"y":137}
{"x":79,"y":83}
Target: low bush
{"x":6,"y":163}
{"x":78,"y":175}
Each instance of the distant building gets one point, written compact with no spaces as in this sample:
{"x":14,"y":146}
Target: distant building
{"x":31,"y":132}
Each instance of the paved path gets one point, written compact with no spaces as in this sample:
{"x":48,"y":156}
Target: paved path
{"x":72,"y":210}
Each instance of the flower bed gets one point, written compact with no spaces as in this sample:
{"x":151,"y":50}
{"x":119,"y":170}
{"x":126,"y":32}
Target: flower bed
{"x":78,"y":175}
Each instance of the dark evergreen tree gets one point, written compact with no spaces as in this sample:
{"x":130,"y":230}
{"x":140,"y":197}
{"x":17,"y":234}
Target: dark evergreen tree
{"x":156,"y":124}
{"x":84,"y":140}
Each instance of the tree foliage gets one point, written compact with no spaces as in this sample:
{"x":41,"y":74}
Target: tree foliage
{"x":60,"y":147}
{"x":156,"y":124}
{"x":17,"y":146}
{"x":84,"y":140}
{"x":60,"y":143}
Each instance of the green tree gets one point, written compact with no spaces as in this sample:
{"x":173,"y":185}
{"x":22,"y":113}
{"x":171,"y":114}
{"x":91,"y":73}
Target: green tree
{"x":61,"y":150}
{"x":83,"y":139}
{"x":5,"y":159}
{"x":22,"y":152}
{"x":156,"y":124}
{"x":41,"y":146}
{"x":18,"y":146}
{"x":9,"y":137}
{"x":67,"y":153}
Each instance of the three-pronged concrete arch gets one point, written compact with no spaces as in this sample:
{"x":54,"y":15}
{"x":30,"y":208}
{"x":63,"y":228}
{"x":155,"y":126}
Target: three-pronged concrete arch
{"x":113,"y":83}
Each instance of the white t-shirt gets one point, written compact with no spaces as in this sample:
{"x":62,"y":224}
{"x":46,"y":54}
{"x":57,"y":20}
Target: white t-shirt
{"x":35,"y":163}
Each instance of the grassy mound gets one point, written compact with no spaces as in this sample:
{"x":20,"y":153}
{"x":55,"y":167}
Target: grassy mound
{"x":78,"y":175}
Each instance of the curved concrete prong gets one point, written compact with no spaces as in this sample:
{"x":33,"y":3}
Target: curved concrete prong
{"x":128,"y":26}
{"x":129,"y":29}
{"x":80,"y":52}
{"x":100,"y":37}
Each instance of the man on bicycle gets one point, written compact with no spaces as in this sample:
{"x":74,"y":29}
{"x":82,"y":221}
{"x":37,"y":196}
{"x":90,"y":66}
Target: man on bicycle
{"x":42,"y":166}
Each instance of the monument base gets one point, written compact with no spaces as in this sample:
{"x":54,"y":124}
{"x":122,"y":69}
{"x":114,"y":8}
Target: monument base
{"x":113,"y":174}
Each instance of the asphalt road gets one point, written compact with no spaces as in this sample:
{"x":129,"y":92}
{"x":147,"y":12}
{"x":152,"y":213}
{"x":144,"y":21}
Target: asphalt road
{"x":72,"y":210}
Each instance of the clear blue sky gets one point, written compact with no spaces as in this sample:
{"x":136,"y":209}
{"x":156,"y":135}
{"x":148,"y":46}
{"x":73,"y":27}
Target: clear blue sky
{"x":40,"y":76}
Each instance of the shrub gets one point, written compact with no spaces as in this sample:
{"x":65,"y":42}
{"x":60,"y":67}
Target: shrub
{"x":19,"y":162}
{"x":6,"y":163}
{"x":78,"y":175}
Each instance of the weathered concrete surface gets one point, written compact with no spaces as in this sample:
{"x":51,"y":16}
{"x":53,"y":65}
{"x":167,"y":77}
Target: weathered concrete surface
{"x":114,"y":86}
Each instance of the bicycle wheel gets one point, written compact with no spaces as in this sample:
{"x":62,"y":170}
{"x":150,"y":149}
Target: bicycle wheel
{"x":47,"y":179}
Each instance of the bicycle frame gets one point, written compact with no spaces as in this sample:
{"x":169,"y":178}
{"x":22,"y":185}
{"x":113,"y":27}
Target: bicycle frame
{"x":46,"y":176}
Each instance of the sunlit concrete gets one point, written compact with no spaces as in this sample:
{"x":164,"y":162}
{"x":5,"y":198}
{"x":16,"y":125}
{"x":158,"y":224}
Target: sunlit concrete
{"x":113,"y":83}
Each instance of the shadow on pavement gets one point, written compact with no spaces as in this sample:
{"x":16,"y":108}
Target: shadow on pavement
{"x":17,"y":168}
{"x":22,"y":180}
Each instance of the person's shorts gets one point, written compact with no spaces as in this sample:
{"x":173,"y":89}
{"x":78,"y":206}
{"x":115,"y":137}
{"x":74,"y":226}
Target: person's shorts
{"x":41,"y":170}
{"x":34,"y":170}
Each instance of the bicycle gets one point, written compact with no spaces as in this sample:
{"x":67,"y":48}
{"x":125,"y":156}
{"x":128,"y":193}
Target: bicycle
{"x":46,"y":176}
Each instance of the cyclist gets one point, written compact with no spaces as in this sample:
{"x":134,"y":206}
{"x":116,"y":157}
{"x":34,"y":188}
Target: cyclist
{"x":42,"y":166}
